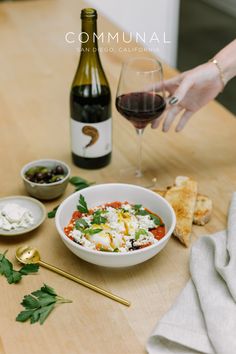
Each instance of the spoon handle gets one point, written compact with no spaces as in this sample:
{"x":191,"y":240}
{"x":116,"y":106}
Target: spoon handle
{"x":84,"y":283}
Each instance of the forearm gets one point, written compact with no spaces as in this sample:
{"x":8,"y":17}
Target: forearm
{"x":227,"y":61}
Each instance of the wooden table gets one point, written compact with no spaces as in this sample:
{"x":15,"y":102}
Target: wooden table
{"x":37,"y":67}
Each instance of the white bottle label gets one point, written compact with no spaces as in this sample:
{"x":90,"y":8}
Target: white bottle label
{"x":91,"y":140}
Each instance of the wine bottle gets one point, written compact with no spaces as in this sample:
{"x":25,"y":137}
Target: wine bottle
{"x":90,"y":102}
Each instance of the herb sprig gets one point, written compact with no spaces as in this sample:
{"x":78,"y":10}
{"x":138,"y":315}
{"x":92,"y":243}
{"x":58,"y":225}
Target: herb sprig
{"x":80,"y":183}
{"x":39,"y":304}
{"x":82,"y":205}
{"x":139,"y":210}
{"x":83,"y":226}
{"x":98,"y":218}
{"x":51,"y":214}
{"x":92,"y":231}
{"x":12,"y":275}
{"x":139,"y":233}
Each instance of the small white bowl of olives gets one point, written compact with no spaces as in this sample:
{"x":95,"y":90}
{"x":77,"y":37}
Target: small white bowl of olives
{"x":45,"y":179}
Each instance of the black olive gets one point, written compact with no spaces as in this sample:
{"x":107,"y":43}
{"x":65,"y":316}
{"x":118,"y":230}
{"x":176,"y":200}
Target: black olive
{"x":47,"y":176}
{"x":133,"y":247}
{"x":30,"y":178}
{"x":59,"y":170}
{"x":39,"y":176}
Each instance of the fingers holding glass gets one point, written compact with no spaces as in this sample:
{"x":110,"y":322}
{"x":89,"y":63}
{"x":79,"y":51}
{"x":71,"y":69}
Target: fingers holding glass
{"x":170,"y":116}
{"x":156,"y":123}
{"x":183,"y":120}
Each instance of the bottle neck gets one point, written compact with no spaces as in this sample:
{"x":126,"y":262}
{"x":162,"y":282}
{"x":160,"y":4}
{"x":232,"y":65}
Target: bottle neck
{"x":89,"y":43}
{"x":89,"y":71}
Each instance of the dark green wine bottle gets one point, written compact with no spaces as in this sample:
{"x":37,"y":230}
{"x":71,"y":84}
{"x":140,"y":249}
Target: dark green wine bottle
{"x":90,"y":102}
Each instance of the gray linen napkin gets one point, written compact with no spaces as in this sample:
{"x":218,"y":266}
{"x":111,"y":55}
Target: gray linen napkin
{"x":203,"y":319}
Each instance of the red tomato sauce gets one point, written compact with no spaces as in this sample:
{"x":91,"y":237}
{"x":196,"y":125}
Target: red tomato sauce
{"x":158,"y":232}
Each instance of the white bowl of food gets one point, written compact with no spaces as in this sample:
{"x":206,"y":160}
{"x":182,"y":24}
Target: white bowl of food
{"x":115,"y":225}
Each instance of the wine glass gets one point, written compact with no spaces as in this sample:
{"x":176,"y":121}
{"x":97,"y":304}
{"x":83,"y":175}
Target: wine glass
{"x":140,"y":97}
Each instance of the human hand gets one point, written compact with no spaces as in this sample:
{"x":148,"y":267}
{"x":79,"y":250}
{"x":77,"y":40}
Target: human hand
{"x":188,"y":92}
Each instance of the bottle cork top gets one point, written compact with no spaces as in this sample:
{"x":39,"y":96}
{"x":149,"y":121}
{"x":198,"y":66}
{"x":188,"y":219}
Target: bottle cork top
{"x":88,"y":13}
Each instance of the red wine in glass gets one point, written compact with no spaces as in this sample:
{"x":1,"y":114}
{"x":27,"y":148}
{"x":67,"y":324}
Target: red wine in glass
{"x":140,"y":97}
{"x":140,"y":108}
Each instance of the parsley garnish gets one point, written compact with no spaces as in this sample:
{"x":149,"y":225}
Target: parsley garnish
{"x":98,"y":218}
{"x":143,"y":212}
{"x":14,"y":276}
{"x":139,"y":233}
{"x":139,"y":210}
{"x":39,"y":304}
{"x":156,"y":219}
{"x":83,"y":226}
{"x":137,"y":207}
{"x":80,"y":224}
{"x":82,"y":206}
{"x":92,"y":231}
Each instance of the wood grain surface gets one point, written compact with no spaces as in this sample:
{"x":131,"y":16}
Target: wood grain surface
{"x":37,"y":67}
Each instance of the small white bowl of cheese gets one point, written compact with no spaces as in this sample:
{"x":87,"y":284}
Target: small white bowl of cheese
{"x":20,"y":214}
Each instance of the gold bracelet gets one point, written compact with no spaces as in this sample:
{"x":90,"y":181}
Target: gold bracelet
{"x":222,"y":78}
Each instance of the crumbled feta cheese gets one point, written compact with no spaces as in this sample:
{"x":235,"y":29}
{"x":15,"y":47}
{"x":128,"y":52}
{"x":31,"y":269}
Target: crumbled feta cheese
{"x":118,"y":226}
{"x":126,"y":207}
{"x":145,"y":222}
{"x":145,"y":238}
{"x":128,"y":244}
{"x":122,"y":230}
{"x":88,"y":219}
{"x":112,"y":215}
{"x":117,"y":239}
{"x":77,"y":235}
{"x":122,"y":249}
{"x":14,"y":216}
{"x":87,"y":243}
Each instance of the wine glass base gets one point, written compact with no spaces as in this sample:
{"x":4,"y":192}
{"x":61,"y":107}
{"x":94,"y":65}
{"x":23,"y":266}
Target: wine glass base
{"x":133,"y":176}
{"x":138,"y":174}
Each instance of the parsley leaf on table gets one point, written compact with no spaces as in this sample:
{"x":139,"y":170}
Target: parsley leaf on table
{"x":39,"y":304}
{"x":80,"y":183}
{"x":52,"y":213}
{"x":12,"y":275}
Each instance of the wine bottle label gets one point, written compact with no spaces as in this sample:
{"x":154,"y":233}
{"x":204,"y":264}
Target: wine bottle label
{"x":91,"y":140}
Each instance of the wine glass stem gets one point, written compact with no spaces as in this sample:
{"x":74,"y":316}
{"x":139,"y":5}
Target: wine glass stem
{"x":139,"y":157}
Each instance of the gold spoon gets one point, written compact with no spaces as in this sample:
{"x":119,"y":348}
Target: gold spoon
{"x":26,"y":255}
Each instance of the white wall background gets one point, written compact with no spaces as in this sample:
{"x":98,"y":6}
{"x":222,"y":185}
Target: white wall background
{"x":149,"y":16}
